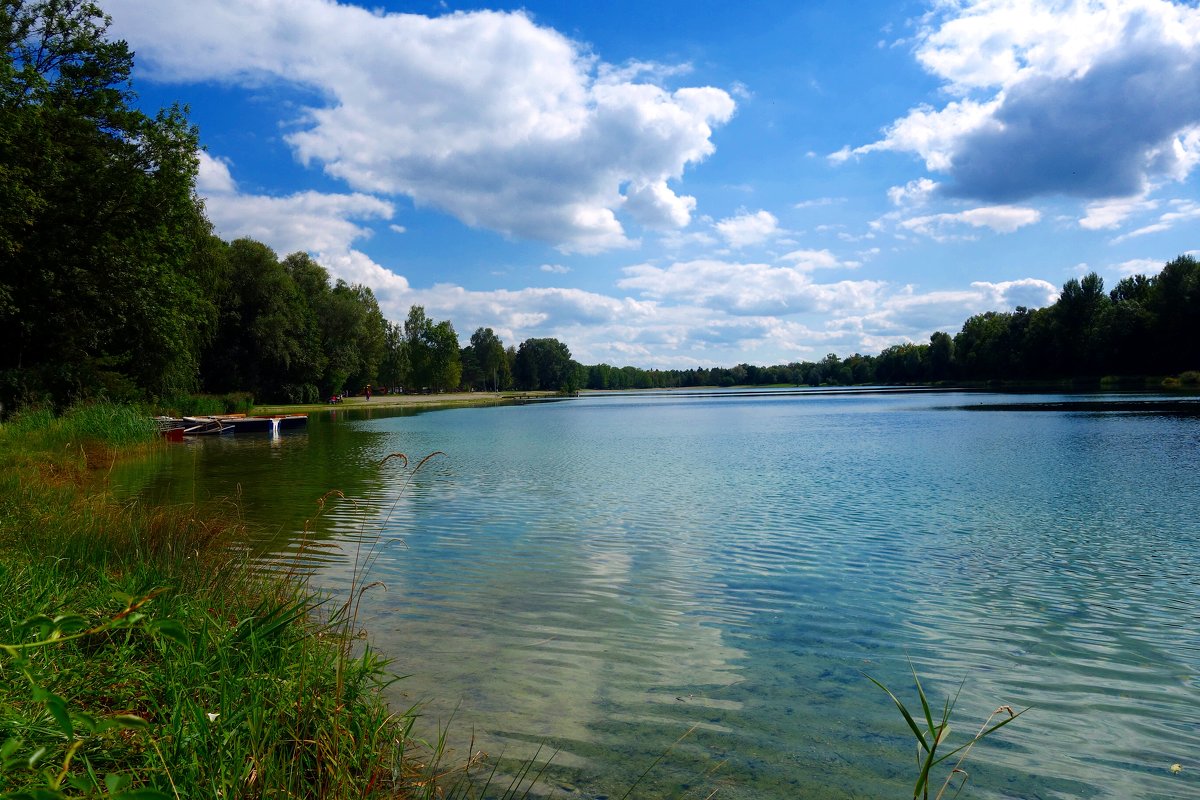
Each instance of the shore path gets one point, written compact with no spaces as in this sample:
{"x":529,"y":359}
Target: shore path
{"x":445,"y":400}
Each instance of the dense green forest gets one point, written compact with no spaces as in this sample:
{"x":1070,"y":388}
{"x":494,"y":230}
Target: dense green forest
{"x":113,"y":284}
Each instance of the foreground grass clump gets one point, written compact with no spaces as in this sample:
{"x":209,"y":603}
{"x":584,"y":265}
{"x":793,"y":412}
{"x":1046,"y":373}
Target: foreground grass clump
{"x":199,"y":405}
{"x":140,"y":658}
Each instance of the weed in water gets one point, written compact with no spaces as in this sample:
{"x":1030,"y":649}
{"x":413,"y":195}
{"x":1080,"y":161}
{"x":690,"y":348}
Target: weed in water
{"x":932,"y":735}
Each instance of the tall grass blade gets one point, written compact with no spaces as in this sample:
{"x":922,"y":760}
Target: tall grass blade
{"x":912,"y":723}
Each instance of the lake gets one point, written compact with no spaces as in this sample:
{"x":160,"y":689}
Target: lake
{"x":707,"y":577}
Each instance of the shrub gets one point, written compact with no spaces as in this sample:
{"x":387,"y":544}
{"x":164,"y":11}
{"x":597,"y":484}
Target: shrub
{"x":238,"y":402}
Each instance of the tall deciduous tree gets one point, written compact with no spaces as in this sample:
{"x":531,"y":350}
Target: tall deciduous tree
{"x":393,"y":369}
{"x":1175,"y":302}
{"x":417,"y":329}
{"x":489,"y":355}
{"x":1078,"y":313}
{"x":445,"y":368}
{"x":98,"y":220}
{"x":543,"y":364}
{"x":941,"y":356}
{"x":355,"y":335}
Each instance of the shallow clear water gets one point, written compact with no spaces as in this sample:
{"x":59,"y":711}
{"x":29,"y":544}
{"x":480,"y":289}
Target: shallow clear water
{"x":604,"y":575}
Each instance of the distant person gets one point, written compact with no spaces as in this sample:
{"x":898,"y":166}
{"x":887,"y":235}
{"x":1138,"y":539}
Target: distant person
{"x":368,"y":391}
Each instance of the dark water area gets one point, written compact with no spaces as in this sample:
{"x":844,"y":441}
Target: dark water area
{"x":602,"y":575}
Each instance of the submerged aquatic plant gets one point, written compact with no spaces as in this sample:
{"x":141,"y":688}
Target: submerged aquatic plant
{"x":933,"y":734}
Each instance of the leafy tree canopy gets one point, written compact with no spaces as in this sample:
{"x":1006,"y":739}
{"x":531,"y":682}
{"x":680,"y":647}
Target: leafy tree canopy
{"x":99,"y":224}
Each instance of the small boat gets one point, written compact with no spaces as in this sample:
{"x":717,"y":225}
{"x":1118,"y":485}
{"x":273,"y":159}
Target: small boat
{"x":241,"y":423}
{"x":204,"y":426}
{"x":174,"y":429}
{"x":170,"y":428}
{"x":273,"y":425}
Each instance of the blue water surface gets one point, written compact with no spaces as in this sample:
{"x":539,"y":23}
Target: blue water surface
{"x":709,"y":578}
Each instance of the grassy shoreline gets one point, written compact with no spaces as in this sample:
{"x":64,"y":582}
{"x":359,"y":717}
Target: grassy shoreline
{"x":140,"y":658}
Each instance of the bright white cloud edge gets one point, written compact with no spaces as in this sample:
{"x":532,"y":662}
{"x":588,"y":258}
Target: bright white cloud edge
{"x":523,"y":131}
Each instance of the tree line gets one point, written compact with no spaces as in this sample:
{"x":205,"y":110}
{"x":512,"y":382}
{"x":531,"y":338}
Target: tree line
{"x":1145,"y":326}
{"x":112,"y":282}
{"x":285,"y":332}
{"x":307,"y":336}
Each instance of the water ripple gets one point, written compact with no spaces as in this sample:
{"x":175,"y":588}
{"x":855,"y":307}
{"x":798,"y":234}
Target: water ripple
{"x":604,"y":576}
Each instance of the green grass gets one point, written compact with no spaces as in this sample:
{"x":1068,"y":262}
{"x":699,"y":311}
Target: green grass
{"x":202,"y":405}
{"x":140,"y":657}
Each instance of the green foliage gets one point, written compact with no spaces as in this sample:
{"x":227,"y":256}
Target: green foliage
{"x":393,"y":368}
{"x":111,"y":283}
{"x":543,"y":364}
{"x":43,"y":766}
{"x":139,"y":658}
{"x":432,"y":351}
{"x":416,"y":337}
{"x":200,"y":405}
{"x":901,"y":363}
{"x":102,"y":424}
{"x":932,"y":732}
{"x":195,"y":704}
{"x":284,"y":333}
{"x":940,"y":357}
{"x":445,"y":366}
{"x":98,"y":221}
{"x":485,"y":362}
{"x":300,"y":394}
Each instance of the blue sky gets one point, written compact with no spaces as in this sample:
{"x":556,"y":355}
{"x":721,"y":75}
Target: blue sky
{"x":671,"y":184}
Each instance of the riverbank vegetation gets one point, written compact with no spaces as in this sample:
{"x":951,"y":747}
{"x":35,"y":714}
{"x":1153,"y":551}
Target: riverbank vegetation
{"x":138,"y":653}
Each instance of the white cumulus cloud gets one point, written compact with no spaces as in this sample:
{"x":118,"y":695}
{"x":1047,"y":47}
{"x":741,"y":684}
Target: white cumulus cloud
{"x":752,"y":289}
{"x":656,"y":206}
{"x":1181,"y":211}
{"x":505,"y":124}
{"x":1139,"y":266}
{"x":311,"y":222}
{"x":1090,"y":98}
{"x":814,"y":259}
{"x":1106,"y":214}
{"x":1001,"y":219}
{"x":748,"y":228}
{"x":912,"y":315}
{"x":914,"y":193}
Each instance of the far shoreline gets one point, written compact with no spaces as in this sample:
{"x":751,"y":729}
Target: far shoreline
{"x":416,"y":401}
{"x":445,"y":400}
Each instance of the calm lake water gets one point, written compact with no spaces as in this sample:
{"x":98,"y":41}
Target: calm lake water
{"x":605,"y":574}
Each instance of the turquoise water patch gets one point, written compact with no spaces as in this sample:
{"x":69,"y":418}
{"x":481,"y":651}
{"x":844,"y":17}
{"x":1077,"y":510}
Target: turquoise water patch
{"x":606,"y":575}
